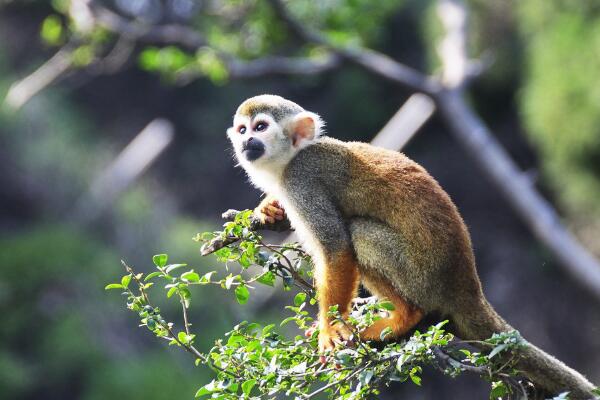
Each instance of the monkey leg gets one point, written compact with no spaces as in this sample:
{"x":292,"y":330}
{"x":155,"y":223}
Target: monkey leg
{"x":337,"y":284}
{"x":387,"y":273}
{"x":400,"y":320}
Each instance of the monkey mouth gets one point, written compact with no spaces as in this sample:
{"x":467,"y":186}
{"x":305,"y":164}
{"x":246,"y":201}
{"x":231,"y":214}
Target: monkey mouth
{"x":253,"y":150}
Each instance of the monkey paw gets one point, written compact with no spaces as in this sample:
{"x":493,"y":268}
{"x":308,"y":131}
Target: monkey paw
{"x":331,"y":337}
{"x":271,"y":212}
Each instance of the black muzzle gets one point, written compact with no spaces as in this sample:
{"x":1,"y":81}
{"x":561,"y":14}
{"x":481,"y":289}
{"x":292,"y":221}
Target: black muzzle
{"x":253,"y":149}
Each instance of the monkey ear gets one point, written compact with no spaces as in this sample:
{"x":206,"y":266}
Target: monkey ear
{"x":304,"y":126}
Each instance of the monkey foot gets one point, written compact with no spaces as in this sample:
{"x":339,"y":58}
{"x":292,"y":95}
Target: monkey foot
{"x":332,"y":337}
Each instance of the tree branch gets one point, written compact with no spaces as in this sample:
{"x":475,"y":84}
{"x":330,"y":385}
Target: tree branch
{"x":268,"y":66}
{"x":372,"y":61}
{"x":219,"y":242}
{"x":182,"y":35}
{"x":22,"y":91}
{"x":405,"y":124}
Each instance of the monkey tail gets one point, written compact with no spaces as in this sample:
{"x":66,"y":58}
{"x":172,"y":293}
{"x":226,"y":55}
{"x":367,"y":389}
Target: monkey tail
{"x":545,"y":371}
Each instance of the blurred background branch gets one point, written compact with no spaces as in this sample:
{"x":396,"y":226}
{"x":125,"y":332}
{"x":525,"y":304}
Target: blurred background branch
{"x":123,"y":171}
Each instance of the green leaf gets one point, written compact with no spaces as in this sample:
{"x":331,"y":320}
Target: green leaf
{"x":204,"y":279}
{"x":173,"y":267}
{"x":52,"y":30}
{"x":185,"y":294}
{"x":229,"y":280}
{"x":242,"y":294}
{"x":182,"y":336}
{"x":499,"y":390}
{"x":253,"y":346}
{"x":268,"y":278}
{"x":149,"y":59}
{"x":206,"y":390}
{"x":185,"y":338}
{"x":497,"y":350}
{"x":171,"y":291}
{"x":114,"y":286}
{"x":234,"y":339}
{"x":211,"y":65}
{"x":247,"y":386}
{"x":83,"y":55}
{"x":125,"y":281}
{"x":190,"y":276}
{"x":345,"y":356}
{"x":439,"y":325}
{"x":151,"y":324}
{"x":245,"y":260}
{"x":386,"y":331}
{"x":160,"y":260}
{"x":152,"y":275}
{"x":287,"y":320}
{"x":387,"y":305}
{"x":267,"y":329}
{"x":299,"y":299}
{"x":365,"y":376}
{"x":416,"y":379}
{"x":61,"y":6}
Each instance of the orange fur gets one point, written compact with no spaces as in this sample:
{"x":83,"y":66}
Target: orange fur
{"x":337,"y":284}
{"x":402,"y":319}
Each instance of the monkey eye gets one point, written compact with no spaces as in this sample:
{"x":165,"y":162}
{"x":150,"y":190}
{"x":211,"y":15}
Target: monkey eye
{"x":261,"y":126}
{"x":242,"y":129}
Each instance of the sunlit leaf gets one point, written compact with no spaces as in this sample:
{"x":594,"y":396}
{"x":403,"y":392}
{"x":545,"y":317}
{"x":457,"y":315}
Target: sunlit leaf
{"x":160,"y":260}
{"x":242,"y":294}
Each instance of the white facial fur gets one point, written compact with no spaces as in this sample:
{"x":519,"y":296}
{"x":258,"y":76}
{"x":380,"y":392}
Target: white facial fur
{"x":266,"y":171}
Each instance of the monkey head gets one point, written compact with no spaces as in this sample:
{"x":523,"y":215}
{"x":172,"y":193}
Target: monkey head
{"x":269,"y":130}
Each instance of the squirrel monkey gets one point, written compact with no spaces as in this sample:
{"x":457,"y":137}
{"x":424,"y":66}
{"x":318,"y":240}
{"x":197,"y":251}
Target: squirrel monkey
{"x":373,"y":216}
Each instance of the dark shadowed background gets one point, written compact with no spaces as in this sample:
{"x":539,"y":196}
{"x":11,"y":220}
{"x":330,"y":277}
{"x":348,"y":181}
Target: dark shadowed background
{"x":67,"y":217}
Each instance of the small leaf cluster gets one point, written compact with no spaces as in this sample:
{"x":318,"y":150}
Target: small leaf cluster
{"x":254,"y":361}
{"x":260,"y":262}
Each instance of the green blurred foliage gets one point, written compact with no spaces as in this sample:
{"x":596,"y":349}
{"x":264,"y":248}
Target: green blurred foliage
{"x":545,"y":52}
{"x":55,"y":337}
{"x":144,"y":377}
{"x":52,"y":30}
{"x":250,"y":29}
{"x":560,"y":98}
{"x":60,"y":333}
{"x":40,"y":276}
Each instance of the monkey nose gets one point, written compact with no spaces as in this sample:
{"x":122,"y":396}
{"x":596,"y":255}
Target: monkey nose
{"x":253,"y":148}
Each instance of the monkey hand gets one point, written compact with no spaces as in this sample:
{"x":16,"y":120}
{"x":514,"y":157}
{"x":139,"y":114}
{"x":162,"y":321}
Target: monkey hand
{"x":270,"y":212}
{"x":332,"y":336}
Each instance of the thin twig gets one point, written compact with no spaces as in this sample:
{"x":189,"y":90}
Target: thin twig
{"x":186,"y":324}
{"x":331,"y":384}
{"x":370,"y":60}
{"x":290,"y":268}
